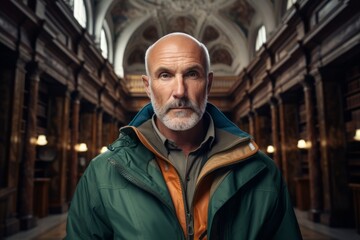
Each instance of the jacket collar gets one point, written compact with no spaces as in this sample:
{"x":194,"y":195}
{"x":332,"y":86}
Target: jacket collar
{"x":233,"y":136}
{"x":220,"y":120}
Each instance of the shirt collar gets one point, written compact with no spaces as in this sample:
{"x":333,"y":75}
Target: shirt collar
{"x":209,"y":137}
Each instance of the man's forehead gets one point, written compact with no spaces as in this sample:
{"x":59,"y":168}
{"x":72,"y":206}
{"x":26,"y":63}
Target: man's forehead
{"x":184,"y":60}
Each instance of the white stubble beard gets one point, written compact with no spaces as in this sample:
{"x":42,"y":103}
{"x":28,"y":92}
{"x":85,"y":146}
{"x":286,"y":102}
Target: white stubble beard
{"x":179,"y":122}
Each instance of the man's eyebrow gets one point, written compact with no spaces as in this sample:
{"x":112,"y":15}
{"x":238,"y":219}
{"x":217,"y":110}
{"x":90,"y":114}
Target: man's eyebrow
{"x":162,"y":69}
{"x":195,"y":67}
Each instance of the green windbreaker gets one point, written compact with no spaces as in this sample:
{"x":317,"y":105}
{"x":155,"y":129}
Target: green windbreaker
{"x":123,"y":194}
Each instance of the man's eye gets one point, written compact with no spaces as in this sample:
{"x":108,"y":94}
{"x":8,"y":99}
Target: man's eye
{"x":193,"y":74}
{"x":164,"y":75}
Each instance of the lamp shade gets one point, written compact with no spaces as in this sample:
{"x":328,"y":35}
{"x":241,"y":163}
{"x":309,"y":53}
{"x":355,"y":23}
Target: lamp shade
{"x":302,"y":144}
{"x":103,"y":149}
{"x":41,"y":140}
{"x":81,"y":147}
{"x":357,"y":135}
{"x":270,"y":149}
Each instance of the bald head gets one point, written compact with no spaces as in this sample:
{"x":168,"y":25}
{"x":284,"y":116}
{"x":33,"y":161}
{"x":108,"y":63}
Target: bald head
{"x":177,"y":42}
{"x":178,"y":82}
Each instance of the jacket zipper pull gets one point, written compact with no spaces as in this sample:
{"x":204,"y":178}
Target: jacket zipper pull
{"x":190,"y":226}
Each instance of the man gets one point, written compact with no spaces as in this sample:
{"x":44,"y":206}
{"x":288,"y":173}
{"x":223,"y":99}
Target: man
{"x":181,"y":169}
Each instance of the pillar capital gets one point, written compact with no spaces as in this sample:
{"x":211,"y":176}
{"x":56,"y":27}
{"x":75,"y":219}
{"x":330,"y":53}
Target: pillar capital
{"x":274,"y":101}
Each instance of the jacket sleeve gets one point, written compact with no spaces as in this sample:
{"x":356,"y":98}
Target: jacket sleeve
{"x":86,"y":218}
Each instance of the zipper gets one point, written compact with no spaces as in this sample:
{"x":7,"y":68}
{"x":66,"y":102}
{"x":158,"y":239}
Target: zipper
{"x":188,"y":216}
{"x":190,"y":225}
{"x":122,"y":170}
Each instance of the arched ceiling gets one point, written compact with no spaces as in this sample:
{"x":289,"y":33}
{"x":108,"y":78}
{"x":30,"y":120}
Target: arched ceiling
{"x":225,"y":26}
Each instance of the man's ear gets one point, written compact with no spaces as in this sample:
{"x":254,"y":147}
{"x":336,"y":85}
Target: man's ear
{"x":210,"y":79}
{"x":146,"y":81}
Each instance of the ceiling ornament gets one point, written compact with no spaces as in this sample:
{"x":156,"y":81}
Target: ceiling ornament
{"x":179,"y":5}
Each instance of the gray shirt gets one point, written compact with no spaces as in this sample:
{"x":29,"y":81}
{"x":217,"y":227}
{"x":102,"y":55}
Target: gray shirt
{"x":188,"y":167}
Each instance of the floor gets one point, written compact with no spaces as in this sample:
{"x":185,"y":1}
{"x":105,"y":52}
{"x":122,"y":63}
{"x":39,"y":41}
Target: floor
{"x":53,"y":228}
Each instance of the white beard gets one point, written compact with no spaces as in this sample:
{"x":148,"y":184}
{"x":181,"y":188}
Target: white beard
{"x":180,"y":122}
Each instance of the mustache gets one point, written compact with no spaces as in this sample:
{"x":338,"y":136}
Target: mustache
{"x":179,"y":103}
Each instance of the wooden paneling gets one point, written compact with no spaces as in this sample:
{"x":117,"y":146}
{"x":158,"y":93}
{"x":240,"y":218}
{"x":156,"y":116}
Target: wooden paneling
{"x":352,"y":121}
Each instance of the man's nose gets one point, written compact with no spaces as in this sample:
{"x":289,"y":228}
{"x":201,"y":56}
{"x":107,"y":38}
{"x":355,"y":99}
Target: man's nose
{"x":179,"y":88}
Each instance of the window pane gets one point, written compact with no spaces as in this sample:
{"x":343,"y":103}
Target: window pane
{"x":80,"y":12}
{"x":261,"y":37}
{"x":290,"y":3}
{"x":103,"y":44}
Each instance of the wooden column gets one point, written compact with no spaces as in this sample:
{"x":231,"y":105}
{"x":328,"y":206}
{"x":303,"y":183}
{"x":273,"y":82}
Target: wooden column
{"x":313,"y":156}
{"x":275,"y":132}
{"x":99,"y":126}
{"x":110,"y":131}
{"x":7,"y":228}
{"x":93,"y":151}
{"x":114,"y":130}
{"x":106,"y":133}
{"x":58,"y":200}
{"x":262,"y":131}
{"x":291,"y":165}
{"x":13,"y":83}
{"x":88,"y":133}
{"x":336,"y":194}
{"x":251,"y":116}
{"x":73,"y":161}
{"x":257,"y":129}
{"x":26,"y":186}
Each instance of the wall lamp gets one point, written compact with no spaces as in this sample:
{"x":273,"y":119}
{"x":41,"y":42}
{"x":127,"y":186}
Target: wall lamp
{"x":41,"y":140}
{"x":302,"y":144}
{"x":81,"y":147}
{"x":357,"y":135}
{"x":103,"y":149}
{"x":270,"y":149}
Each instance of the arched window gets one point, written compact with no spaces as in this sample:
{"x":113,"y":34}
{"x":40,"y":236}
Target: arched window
{"x":290,"y":3}
{"x":104,"y":43}
{"x":80,"y":12}
{"x":260,"y":38}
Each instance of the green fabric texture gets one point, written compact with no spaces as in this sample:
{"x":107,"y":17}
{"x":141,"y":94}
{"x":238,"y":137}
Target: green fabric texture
{"x":122,"y":195}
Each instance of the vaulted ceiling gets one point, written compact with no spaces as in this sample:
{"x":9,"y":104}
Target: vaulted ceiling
{"x":227,"y":27}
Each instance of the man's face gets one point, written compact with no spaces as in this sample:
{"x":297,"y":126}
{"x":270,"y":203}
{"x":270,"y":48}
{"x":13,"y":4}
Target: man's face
{"x":178,"y":85}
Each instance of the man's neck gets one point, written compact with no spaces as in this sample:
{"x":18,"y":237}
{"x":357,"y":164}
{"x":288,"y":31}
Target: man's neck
{"x":187,"y":140}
